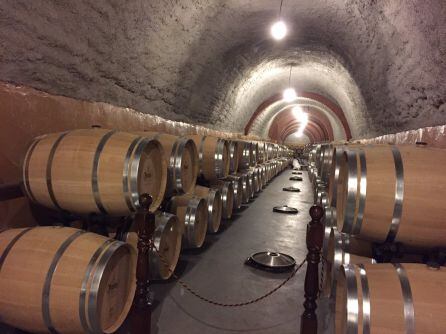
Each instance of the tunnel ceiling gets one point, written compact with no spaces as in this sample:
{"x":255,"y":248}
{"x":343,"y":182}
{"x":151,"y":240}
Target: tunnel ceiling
{"x":213,"y":62}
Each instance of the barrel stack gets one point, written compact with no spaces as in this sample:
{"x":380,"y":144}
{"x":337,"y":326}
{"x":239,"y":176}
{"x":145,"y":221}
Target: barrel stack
{"x":98,"y":176}
{"x":384,"y":217}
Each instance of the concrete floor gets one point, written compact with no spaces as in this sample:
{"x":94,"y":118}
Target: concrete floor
{"x":218,"y":272}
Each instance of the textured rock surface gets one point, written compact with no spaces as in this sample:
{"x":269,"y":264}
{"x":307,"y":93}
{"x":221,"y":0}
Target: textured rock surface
{"x":212,"y":62}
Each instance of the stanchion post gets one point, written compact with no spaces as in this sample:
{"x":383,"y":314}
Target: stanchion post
{"x":141,"y":311}
{"x":315,"y":236}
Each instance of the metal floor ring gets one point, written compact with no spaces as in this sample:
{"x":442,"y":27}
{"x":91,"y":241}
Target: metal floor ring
{"x":291,"y":189}
{"x":271,"y":261}
{"x":285,"y":209}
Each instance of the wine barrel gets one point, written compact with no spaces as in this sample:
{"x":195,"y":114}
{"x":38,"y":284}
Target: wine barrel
{"x":94,"y":171}
{"x":329,"y":224}
{"x":321,"y":198}
{"x":233,"y":156}
{"x":264,"y":166}
{"x":181,"y":157}
{"x":252,"y":183}
{"x":167,"y":239}
{"x":246,"y":187}
{"x":267,"y":151}
{"x":262,"y":152}
{"x":227,"y":197}
{"x":237,"y":183}
{"x":383,"y":194}
{"x":261,"y":176}
{"x":333,"y":178}
{"x":193,"y":216}
{"x":248,"y":154}
{"x":243,"y":155}
{"x":64,"y":280}
{"x":343,"y":249}
{"x":326,"y":159}
{"x":269,"y":173}
{"x":257,"y":179}
{"x":213,"y":155}
{"x":254,"y":153}
{"x":214,"y":205}
{"x":390,"y":298}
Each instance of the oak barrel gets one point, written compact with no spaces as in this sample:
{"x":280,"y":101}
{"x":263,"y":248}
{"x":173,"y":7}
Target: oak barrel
{"x":214,"y":202}
{"x":343,"y":249}
{"x":94,"y":171}
{"x":262,"y":152}
{"x":384,"y":194}
{"x":167,"y":239}
{"x":333,"y":177}
{"x":213,"y":155}
{"x":65,"y":280}
{"x":233,"y":156}
{"x":226,"y":189}
{"x":254,"y":153}
{"x":390,"y":299}
{"x":243,"y":155}
{"x":257,"y":179}
{"x":193,"y":216}
{"x":250,"y":176}
{"x":237,"y":183}
{"x":181,"y":156}
{"x":261,"y":175}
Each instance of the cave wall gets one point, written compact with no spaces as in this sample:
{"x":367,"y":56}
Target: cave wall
{"x":207,"y":61}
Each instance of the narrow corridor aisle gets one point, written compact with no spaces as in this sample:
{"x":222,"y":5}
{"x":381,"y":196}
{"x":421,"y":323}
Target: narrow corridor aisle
{"x":217,"y":271}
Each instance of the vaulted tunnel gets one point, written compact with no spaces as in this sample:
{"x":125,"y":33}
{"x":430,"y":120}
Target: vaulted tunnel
{"x":380,"y":63}
{"x":105,"y":102}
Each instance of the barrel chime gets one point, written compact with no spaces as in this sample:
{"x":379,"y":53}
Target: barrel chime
{"x":378,"y":197}
{"x":75,"y":281}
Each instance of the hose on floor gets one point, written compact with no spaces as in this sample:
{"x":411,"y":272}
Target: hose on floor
{"x":187,"y":287}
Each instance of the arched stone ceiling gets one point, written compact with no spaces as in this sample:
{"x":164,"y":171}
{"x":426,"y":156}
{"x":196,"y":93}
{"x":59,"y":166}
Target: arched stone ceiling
{"x":282,"y":122}
{"x":262,"y":123}
{"x":317,"y":100}
{"x":213,"y":62}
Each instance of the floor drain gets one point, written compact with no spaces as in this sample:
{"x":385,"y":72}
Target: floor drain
{"x":295,"y":178}
{"x":291,"y":189}
{"x":285,"y":209}
{"x":271,"y":261}
{"x":296,"y":173}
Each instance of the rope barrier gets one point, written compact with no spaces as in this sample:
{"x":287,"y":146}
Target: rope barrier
{"x":216,"y":303}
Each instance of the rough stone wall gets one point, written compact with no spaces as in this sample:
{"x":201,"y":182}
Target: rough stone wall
{"x":190,"y":60}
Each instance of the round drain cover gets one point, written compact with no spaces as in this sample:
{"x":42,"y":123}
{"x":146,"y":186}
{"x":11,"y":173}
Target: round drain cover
{"x":285,"y":209}
{"x":271,"y":261}
{"x":295,"y":178}
{"x":292,"y":189}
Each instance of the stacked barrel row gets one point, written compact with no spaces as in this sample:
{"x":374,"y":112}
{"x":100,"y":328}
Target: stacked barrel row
{"x":195,"y":183}
{"x":382,"y":197}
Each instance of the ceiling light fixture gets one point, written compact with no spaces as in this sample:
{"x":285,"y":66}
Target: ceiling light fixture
{"x":279,"y":29}
{"x":289,"y":94}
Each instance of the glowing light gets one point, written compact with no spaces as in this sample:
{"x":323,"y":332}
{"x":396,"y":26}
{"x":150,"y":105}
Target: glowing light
{"x":297,"y":112}
{"x":302,"y":118}
{"x":279,"y":30}
{"x":289,"y":94}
